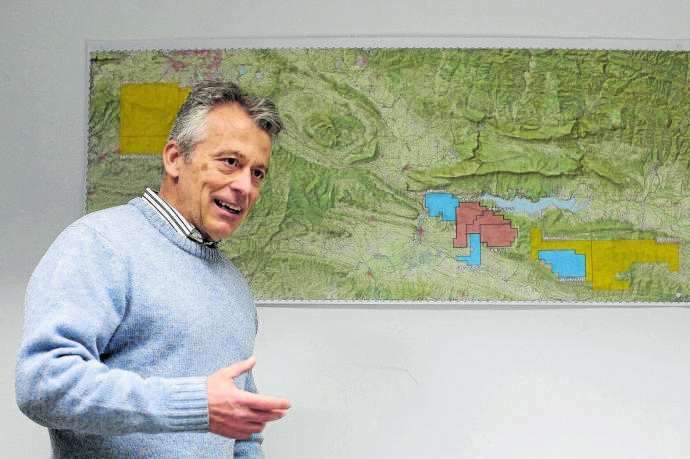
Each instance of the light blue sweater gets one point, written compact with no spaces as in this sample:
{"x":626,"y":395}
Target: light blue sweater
{"x":125,"y":319}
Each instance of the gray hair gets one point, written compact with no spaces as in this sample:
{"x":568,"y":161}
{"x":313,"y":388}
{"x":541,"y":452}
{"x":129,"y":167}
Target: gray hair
{"x":190,"y":124}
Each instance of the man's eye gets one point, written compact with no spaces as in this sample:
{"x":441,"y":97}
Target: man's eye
{"x":259,"y":174}
{"x":231,"y":161}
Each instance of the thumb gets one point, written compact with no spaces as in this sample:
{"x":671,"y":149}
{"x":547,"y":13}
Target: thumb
{"x":241,"y":367}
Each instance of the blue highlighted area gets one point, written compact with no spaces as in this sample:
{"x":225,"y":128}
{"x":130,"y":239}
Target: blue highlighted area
{"x":443,"y":204}
{"x":564,"y":263}
{"x":475,"y":256}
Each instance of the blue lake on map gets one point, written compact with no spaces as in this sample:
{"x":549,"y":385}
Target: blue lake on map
{"x":518,"y":205}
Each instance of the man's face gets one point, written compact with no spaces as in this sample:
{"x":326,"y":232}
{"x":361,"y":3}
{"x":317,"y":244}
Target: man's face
{"x":218,"y":185}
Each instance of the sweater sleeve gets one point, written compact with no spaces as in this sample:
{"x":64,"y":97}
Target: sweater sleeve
{"x":75,"y":301}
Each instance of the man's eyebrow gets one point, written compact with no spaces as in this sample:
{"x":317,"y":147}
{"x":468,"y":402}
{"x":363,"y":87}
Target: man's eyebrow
{"x":231,"y":153}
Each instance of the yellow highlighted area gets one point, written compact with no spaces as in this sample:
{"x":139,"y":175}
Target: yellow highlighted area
{"x":147,"y":113}
{"x":605,"y":259}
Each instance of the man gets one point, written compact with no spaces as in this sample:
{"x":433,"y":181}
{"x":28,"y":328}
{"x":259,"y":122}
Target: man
{"x":134,"y":314}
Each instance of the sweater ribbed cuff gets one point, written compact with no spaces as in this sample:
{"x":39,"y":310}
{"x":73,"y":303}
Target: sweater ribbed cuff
{"x":187,"y":404}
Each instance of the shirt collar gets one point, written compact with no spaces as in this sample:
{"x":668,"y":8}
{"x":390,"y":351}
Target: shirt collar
{"x":175,"y":218}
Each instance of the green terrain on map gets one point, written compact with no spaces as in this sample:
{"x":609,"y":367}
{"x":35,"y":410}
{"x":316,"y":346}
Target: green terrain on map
{"x":370,"y":132}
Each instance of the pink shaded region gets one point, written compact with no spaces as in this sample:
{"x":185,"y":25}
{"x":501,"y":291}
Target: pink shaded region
{"x":473,"y":218}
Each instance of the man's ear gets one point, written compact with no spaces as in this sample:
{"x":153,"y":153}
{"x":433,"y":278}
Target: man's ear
{"x":172,"y":157}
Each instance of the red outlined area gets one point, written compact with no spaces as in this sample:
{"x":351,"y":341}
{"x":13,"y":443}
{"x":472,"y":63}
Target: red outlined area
{"x":473,"y":218}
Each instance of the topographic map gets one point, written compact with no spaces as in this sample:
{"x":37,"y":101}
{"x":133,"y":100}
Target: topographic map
{"x":434,"y":174}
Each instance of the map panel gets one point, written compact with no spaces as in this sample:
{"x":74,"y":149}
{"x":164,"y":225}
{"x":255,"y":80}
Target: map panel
{"x":434,"y":174}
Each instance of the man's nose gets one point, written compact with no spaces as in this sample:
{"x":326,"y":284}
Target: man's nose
{"x":242,"y":181}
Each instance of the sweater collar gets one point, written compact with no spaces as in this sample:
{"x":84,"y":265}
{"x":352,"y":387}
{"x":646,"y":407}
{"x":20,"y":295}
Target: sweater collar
{"x":175,"y":218}
{"x":177,"y":238}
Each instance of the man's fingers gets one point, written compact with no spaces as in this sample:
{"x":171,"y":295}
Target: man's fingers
{"x":260,"y":402}
{"x":237,"y":413}
{"x":238,"y":368}
{"x":245,"y":423}
{"x":269,"y":416}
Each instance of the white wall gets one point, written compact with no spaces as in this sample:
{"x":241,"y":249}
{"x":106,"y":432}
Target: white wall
{"x":365,"y":382}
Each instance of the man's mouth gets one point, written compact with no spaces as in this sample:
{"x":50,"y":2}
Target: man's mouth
{"x":229,"y":207}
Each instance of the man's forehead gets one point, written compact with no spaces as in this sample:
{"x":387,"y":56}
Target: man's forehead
{"x":231,"y":117}
{"x":233,"y":114}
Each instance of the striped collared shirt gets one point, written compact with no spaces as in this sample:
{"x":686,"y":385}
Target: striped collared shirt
{"x":176,"y":220}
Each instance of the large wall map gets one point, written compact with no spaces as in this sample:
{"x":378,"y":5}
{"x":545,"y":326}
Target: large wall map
{"x":442,"y":175}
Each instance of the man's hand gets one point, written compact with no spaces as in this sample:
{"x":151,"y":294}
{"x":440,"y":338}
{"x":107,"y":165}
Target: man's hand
{"x":236,"y":413}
